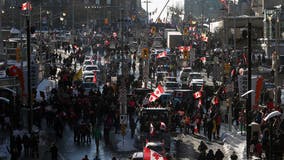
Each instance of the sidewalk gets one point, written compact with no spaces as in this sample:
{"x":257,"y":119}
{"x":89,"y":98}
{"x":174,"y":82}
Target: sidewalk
{"x":229,"y":141}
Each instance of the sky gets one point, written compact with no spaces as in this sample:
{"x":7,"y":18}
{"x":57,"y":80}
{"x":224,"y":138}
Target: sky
{"x":159,"y":5}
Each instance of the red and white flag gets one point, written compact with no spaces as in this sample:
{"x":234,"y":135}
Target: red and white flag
{"x":152,"y":97}
{"x":26,"y":6}
{"x":203,"y":60}
{"x":149,"y":154}
{"x":197,"y":94}
{"x":162,"y":54}
{"x":95,"y":78}
{"x":215,"y":100}
{"x":204,"y":38}
{"x":152,"y":129}
{"x":224,"y":2}
{"x":159,"y":91}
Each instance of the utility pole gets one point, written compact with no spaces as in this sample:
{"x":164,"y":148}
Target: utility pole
{"x":248,"y":104}
{"x":1,"y":39}
{"x":147,"y":5}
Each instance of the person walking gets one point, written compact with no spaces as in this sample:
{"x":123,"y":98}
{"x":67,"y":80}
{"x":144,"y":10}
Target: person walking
{"x":86,"y":157}
{"x":54,"y":151}
{"x":209,"y":126}
{"x":210,"y":155}
{"x":132,"y":127}
{"x":219,"y":155}
{"x":234,"y":156}
{"x":97,"y":135}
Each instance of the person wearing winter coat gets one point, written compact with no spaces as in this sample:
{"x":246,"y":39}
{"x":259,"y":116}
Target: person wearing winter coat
{"x":54,"y":152}
{"x":219,"y":155}
{"x":210,"y":155}
{"x":234,"y":156}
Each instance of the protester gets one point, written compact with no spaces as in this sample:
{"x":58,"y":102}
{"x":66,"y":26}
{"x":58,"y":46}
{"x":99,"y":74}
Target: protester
{"x":234,"y":156}
{"x":219,"y":155}
{"x":54,"y":151}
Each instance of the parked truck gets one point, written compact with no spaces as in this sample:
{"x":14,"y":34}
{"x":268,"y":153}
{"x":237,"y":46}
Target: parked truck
{"x":174,"y":39}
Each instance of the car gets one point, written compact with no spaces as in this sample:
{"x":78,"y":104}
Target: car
{"x":166,"y":98}
{"x":90,"y":69}
{"x":137,"y":156}
{"x":195,"y":77}
{"x":171,"y":86}
{"x":184,"y":74}
{"x":196,"y":85}
{"x":88,"y":62}
{"x":182,"y":95}
{"x":170,"y":79}
{"x":88,"y":86}
{"x":160,"y":75}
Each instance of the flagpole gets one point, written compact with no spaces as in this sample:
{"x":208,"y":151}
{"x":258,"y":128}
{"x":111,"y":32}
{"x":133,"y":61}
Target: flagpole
{"x":30,"y":116}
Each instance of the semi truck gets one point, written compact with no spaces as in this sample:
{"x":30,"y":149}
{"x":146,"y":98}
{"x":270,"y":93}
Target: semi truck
{"x":174,"y":39}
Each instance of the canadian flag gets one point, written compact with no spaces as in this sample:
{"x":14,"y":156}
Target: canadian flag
{"x":152,"y":129}
{"x":182,"y":48}
{"x":95,"y":78}
{"x":152,"y":97}
{"x":203,"y":60}
{"x":26,"y":6}
{"x":149,"y":154}
{"x":197,"y":94}
{"x":159,"y":91}
{"x":215,"y":100}
{"x":162,"y":54}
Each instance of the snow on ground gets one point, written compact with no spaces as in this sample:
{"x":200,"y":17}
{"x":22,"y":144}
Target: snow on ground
{"x":234,"y":141}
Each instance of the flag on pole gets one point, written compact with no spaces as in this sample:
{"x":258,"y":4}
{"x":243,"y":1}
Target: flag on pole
{"x":152,"y":97}
{"x":197,"y":94}
{"x":159,"y":91}
{"x":215,"y":100}
{"x":26,"y":6}
{"x":162,"y":54}
{"x":78,"y":75}
{"x":224,"y":3}
{"x":149,"y":154}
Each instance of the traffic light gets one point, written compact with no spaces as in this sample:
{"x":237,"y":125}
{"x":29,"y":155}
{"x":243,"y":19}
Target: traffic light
{"x":185,"y":54}
{"x":18,"y":54}
{"x":145,"y":53}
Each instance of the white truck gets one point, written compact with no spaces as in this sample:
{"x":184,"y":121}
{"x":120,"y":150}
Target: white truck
{"x":174,"y":39}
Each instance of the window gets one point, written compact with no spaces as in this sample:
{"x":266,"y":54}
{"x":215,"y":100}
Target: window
{"x":108,"y":2}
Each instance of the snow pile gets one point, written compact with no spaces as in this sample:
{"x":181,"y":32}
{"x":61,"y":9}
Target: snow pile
{"x":234,"y":141}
